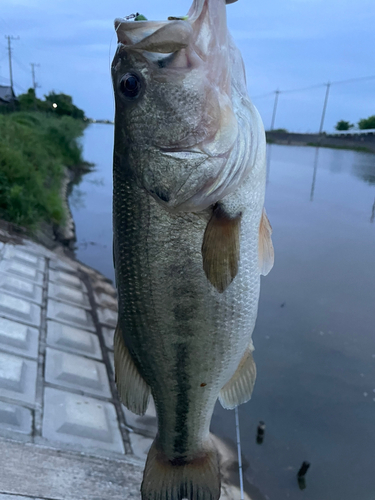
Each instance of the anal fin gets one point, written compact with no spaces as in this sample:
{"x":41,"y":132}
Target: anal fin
{"x":134,"y":392}
{"x":240,"y":387}
{"x":221,"y":248}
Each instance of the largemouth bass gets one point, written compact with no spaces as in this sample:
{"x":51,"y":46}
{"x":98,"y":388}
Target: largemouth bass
{"x":190,"y":237}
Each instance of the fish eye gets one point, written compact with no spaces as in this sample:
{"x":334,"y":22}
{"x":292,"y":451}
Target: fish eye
{"x":130,"y":85}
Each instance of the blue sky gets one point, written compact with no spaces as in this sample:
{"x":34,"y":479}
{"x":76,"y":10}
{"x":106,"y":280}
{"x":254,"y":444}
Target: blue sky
{"x":288,"y":44}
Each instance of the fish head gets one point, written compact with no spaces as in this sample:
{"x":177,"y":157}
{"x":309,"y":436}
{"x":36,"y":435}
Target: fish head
{"x":175,"y":123}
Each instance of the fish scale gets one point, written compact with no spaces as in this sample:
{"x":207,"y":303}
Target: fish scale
{"x":163,"y":307}
{"x":191,"y":237}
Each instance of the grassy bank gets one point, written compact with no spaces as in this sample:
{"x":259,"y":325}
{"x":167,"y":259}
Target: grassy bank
{"x":34,"y":150}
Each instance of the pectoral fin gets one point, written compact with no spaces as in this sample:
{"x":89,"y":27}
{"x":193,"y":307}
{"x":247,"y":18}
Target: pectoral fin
{"x":266,"y":252}
{"x":221,"y":248}
{"x":133,"y":391}
{"x":240,"y":387}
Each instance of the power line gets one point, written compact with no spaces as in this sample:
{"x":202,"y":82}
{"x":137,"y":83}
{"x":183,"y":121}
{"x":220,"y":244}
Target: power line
{"x":20,"y":87}
{"x":318,"y":85}
{"x":301,"y":89}
{"x":262,"y":95}
{"x":21,"y":65}
{"x":354,"y":80}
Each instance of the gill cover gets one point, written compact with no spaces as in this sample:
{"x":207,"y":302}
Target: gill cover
{"x":196,"y":167}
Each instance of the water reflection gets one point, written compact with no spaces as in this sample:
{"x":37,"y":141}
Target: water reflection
{"x":316,"y":356}
{"x":365,"y":168}
{"x":314,"y":175}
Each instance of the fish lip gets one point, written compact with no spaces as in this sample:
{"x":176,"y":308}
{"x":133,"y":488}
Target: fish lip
{"x":175,"y":149}
{"x":182,"y":153}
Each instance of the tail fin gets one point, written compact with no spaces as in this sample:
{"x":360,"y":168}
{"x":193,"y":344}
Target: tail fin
{"x":198,"y":479}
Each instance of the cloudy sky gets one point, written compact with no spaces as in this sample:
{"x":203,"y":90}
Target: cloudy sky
{"x":286,"y":45}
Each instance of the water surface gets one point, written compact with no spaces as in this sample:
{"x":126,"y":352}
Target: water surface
{"x":315,"y":334}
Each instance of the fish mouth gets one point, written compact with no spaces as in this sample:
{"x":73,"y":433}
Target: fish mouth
{"x":183,"y":154}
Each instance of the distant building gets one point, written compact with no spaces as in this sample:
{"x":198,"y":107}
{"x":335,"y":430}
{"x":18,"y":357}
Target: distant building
{"x":7,"y":96}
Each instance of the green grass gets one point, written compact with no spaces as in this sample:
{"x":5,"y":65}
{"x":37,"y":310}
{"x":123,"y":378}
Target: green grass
{"x":34,"y":149}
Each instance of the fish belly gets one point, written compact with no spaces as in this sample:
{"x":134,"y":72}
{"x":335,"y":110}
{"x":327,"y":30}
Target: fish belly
{"x":185,"y":338}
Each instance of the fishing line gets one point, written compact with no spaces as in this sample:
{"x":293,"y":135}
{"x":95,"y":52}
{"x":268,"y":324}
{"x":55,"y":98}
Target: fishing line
{"x":240,"y":472}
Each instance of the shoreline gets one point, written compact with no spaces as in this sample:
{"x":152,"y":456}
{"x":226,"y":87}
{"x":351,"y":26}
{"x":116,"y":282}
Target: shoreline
{"x":355,"y":142}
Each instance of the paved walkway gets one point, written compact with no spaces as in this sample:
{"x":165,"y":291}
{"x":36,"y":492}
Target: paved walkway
{"x":57,"y":319}
{"x":57,"y":390}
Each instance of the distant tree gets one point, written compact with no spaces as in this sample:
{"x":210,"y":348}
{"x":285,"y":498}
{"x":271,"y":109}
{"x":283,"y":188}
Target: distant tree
{"x":343,"y":125}
{"x":58,"y":104}
{"x":366,"y":123}
{"x":62,"y":104}
{"x":29,"y":102}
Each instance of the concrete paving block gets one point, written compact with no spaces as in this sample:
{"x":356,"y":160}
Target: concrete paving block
{"x":61,"y":265}
{"x":19,"y":309}
{"x":23,"y":256}
{"x":36,"y":248}
{"x":140,"y":445}
{"x":24,"y":271}
{"x":15,"y":418}
{"x":105,"y":300}
{"x":74,"y":316}
{"x":67,"y":279}
{"x":16,"y":497}
{"x":18,"y":338}
{"x":107,"y":317}
{"x":22,"y":288}
{"x":69,"y":295}
{"x":17,"y":378}
{"x":101,"y":286}
{"x":147,"y":424}
{"x":108,"y":334}
{"x":75,"y":372}
{"x":73,"y":340}
{"x":80,"y":420}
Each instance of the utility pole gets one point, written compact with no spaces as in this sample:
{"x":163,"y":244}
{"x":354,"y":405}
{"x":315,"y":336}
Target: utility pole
{"x":277,"y":92}
{"x":324,"y":107}
{"x":35,"y":84}
{"x":9,"y":37}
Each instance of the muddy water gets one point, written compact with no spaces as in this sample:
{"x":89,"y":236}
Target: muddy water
{"x":315,"y":334}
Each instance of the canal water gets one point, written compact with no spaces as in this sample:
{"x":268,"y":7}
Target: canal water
{"x":315,"y":334}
